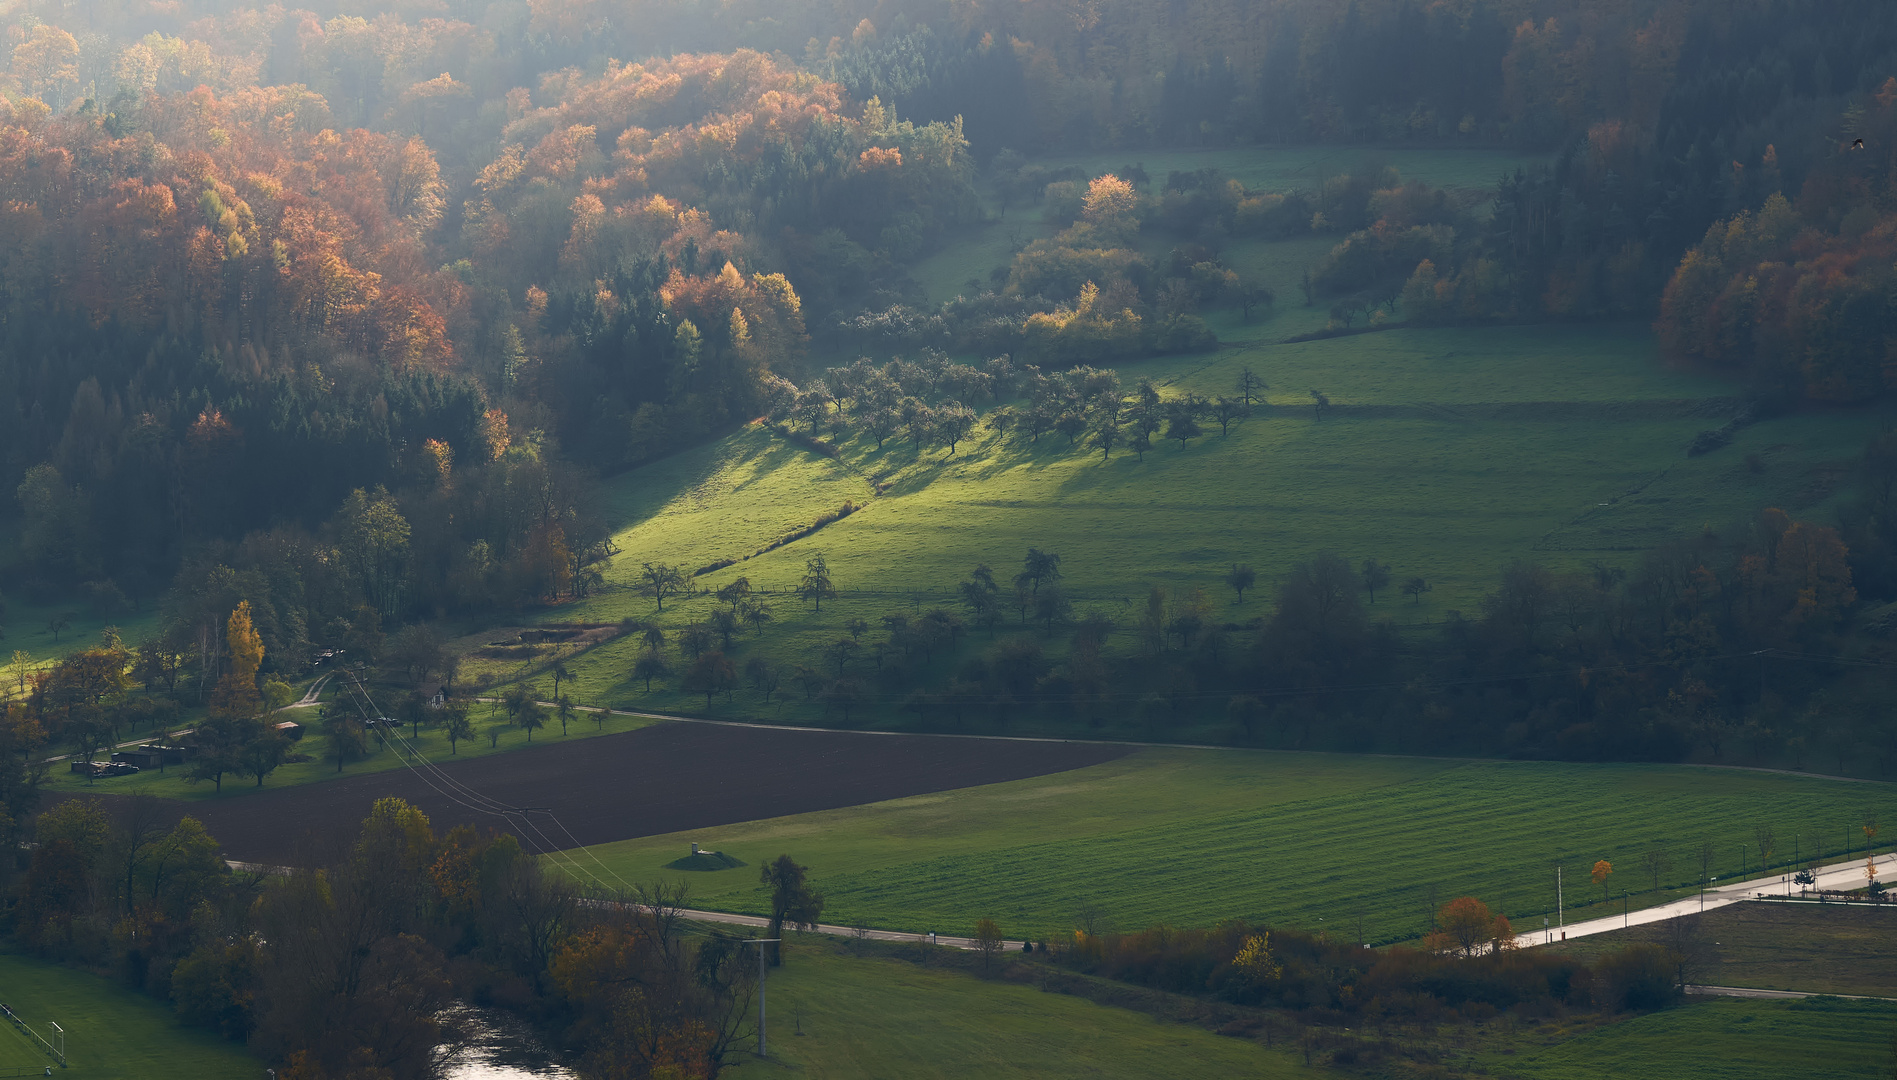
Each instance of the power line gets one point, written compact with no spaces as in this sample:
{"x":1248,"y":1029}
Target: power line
{"x":493,"y":807}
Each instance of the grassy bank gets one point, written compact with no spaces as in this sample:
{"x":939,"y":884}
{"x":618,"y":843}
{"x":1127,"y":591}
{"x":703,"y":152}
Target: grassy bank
{"x":111,"y":1033}
{"x":1725,"y":1040}
{"x":872,"y":1017}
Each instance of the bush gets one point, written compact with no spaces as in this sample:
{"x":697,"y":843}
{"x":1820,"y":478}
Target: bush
{"x":1638,"y":978}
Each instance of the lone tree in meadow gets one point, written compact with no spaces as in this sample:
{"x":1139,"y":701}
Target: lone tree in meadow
{"x":695,"y":639}
{"x":1414,"y":588}
{"x":1250,"y":386}
{"x":712,"y":673}
{"x":816,"y":585}
{"x":659,"y":581}
{"x":982,"y":596}
{"x":1182,"y":419}
{"x":844,"y":695}
{"x":735,"y":593}
{"x":650,"y":665}
{"x":531,"y":718}
{"x":757,"y":613}
{"x":1106,"y":435}
{"x":724,"y":622}
{"x":1225,"y":410}
{"x":456,"y":725}
{"x":793,"y":902}
{"x":764,"y":675}
{"x":1319,"y":402}
{"x":1039,"y":567}
{"x":1601,"y":872}
{"x":1240,"y":577}
{"x":346,"y":742}
{"x":1657,"y":862}
{"x":1375,"y":576}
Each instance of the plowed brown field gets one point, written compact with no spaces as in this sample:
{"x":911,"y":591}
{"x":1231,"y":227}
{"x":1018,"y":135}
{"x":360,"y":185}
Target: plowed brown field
{"x":659,"y":779}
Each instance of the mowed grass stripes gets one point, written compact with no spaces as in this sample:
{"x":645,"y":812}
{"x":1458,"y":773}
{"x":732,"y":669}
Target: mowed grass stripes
{"x":1192,"y":837}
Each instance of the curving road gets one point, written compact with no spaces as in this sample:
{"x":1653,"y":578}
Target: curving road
{"x":1847,"y":875}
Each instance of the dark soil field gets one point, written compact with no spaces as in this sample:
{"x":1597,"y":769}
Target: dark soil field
{"x":659,"y":779}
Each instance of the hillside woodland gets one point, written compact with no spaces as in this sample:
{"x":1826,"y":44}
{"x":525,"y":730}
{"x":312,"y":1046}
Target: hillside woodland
{"x":320,"y":324}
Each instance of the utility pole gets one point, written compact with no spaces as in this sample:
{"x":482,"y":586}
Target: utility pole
{"x":760,"y":943}
{"x":1561,"y":918}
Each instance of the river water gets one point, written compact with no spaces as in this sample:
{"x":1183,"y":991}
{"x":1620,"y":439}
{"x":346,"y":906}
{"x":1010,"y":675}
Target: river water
{"x":501,"y":1047}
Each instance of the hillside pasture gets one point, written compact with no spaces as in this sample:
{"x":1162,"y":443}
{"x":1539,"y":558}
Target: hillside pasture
{"x":1447,"y":453}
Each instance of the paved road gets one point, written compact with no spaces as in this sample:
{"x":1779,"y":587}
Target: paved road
{"x":1748,"y":992}
{"x":1848,"y":875}
{"x":845,"y":931}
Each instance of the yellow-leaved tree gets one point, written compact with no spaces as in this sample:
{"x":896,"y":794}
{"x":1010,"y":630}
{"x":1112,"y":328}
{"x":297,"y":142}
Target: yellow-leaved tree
{"x":236,"y":694}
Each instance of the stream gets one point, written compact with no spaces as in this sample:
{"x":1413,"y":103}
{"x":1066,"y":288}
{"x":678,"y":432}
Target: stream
{"x":501,"y":1047}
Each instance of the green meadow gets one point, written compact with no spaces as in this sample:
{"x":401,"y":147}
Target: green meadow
{"x":111,"y":1033}
{"x":1449,"y":454}
{"x":1190,"y":837}
{"x":172,"y":782}
{"x":837,"y":1017}
{"x":1725,"y":1039}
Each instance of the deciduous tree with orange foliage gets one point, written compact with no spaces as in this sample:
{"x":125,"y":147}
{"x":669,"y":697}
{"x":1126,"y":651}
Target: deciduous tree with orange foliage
{"x":1466,"y":927}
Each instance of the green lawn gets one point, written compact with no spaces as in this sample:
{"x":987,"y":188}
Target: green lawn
{"x":1726,"y":1039}
{"x":875,"y":1018}
{"x":111,"y":1033}
{"x":1189,"y":837}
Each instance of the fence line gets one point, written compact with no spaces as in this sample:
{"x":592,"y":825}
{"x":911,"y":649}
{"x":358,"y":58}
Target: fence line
{"x":51,"y":1052}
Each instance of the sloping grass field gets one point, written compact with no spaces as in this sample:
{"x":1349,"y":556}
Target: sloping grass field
{"x":111,"y":1033}
{"x":1726,"y":1039}
{"x":871,"y":1018}
{"x":1448,"y":453}
{"x":1190,"y":837}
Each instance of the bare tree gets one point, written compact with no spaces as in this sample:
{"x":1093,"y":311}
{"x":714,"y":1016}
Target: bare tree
{"x":1250,"y":386}
{"x":1240,"y":577}
{"x":1657,"y":862}
{"x":659,"y":581}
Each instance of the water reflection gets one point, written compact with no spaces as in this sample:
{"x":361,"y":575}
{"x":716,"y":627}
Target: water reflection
{"x":500,"y":1047}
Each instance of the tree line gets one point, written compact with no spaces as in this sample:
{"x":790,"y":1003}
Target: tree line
{"x":347,"y":968}
{"x":1668,"y":660}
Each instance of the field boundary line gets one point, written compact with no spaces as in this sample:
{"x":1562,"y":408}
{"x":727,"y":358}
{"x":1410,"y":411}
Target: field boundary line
{"x":766,"y":726}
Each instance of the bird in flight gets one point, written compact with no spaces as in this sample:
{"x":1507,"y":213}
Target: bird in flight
{"x":1857,"y":144}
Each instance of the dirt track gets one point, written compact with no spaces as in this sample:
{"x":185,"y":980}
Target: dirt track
{"x":660,"y":779}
